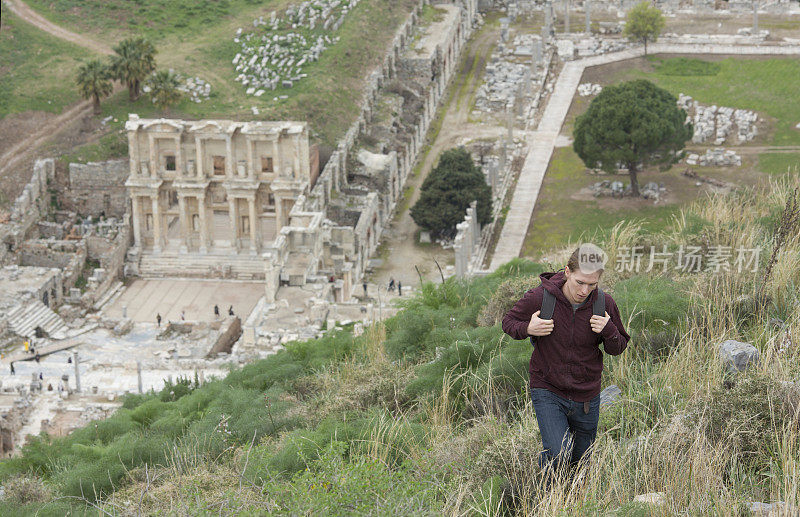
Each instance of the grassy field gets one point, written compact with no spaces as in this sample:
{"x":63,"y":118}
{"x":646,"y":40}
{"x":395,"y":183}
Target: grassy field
{"x":37,"y":71}
{"x":559,"y":218}
{"x":112,"y":20}
{"x":767,"y":86}
{"x":762,"y":85}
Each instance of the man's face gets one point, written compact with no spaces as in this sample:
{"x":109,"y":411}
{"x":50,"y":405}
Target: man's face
{"x":579,"y":285}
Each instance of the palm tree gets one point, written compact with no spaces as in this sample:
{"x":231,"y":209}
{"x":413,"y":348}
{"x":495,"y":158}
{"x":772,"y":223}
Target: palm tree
{"x":163,"y":86}
{"x":135,"y":59}
{"x":94,"y":82}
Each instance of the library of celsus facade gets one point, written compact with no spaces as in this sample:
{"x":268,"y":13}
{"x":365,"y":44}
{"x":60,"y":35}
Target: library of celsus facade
{"x":214,"y":193}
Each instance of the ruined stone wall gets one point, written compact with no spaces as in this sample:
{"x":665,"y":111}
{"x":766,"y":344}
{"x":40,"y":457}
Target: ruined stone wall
{"x":112,"y":260}
{"x":69,"y":256}
{"x":334,"y":177}
{"x":27,"y":210}
{"x":97,"y":187}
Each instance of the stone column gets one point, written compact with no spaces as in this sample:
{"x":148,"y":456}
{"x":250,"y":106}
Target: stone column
{"x":230,"y":171}
{"x":255,"y":237}
{"x":133,"y":147}
{"x":251,"y":164}
{"x":566,"y":16}
{"x":205,"y":240}
{"x":476,"y":226}
{"x":493,"y":177}
{"x":276,"y":155}
{"x":510,"y":120}
{"x":137,"y":221}
{"x":271,"y":279}
{"x":587,"y":6}
{"x":296,"y":153}
{"x":234,"y":217}
{"x":538,"y":56}
{"x":152,"y":156}
{"x":755,"y":18}
{"x":158,"y":241}
{"x":548,"y":18}
{"x":458,"y":249}
{"x":180,"y":170}
{"x":198,"y":142}
{"x":186,"y":228}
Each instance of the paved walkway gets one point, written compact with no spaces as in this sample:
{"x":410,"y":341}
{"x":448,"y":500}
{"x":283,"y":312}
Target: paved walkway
{"x":145,"y":298}
{"x":542,"y":141}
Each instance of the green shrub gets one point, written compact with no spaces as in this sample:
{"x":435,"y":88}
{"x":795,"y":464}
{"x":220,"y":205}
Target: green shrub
{"x":504,"y":298}
{"x":455,"y":358}
{"x":356,"y":485}
{"x":24,"y":490}
{"x":748,"y":418}
{"x":655,"y":302}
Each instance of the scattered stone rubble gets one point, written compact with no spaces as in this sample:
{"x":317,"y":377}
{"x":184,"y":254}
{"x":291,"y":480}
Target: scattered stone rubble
{"x":717,"y":123}
{"x":595,"y":46}
{"x":274,"y":52}
{"x":195,"y":88}
{"x":503,"y":80}
{"x":718,"y":157}
{"x":587,"y":89}
{"x":609,"y":188}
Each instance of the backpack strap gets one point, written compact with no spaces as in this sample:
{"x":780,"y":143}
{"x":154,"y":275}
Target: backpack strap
{"x":548,"y":305}
{"x":599,"y":305}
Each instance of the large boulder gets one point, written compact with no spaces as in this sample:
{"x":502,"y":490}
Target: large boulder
{"x":737,"y":356}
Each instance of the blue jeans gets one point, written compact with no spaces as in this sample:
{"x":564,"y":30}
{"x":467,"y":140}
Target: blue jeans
{"x":567,"y":432}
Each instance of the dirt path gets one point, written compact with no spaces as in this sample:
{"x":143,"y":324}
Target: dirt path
{"x":29,"y":15}
{"x":14,"y":158}
{"x":404,"y":253}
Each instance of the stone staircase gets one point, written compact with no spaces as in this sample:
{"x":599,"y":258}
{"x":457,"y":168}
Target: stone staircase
{"x":174,"y":264}
{"x":24,"y":318}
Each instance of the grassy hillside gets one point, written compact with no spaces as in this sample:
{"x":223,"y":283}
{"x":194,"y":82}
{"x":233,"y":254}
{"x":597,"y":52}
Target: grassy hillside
{"x":428,"y":414}
{"x":196,"y":39}
{"x":37,"y":71}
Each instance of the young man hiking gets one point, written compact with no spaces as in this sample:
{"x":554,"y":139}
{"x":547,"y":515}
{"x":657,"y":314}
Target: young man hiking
{"x":567,"y":318}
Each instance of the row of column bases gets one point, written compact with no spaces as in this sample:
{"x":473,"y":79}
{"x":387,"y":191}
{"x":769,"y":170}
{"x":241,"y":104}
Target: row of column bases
{"x":188,"y":227}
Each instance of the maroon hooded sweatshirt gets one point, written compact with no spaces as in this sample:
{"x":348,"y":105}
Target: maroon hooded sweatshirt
{"x":568,"y":361}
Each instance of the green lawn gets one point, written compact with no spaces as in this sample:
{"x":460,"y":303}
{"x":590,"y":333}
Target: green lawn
{"x":37,"y":71}
{"x":779,"y":163}
{"x":762,"y":85}
{"x":558,"y":218}
{"x":768,"y":86}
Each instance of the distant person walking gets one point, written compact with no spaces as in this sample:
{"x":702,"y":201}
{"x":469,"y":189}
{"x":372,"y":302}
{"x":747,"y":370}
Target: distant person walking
{"x":364,"y":285}
{"x":391,"y":284}
{"x":216,"y":311}
{"x":399,"y":288}
{"x":13,"y":372}
{"x":230,"y":310}
{"x":158,"y":319}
